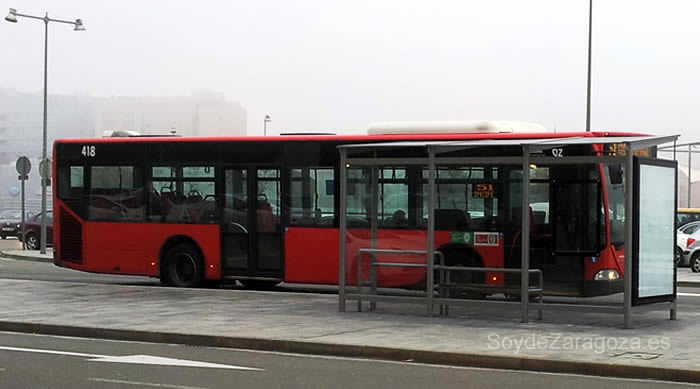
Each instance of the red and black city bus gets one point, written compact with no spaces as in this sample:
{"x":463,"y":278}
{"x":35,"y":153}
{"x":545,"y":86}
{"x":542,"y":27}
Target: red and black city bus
{"x":264,"y":210}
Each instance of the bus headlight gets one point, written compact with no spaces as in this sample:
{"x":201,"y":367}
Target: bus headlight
{"x":607,"y":275}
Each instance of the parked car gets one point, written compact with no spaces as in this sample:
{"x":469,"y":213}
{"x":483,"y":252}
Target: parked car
{"x":687,"y":215}
{"x":10,"y":220}
{"x":682,"y":235}
{"x":32,"y":231}
{"x":691,"y":254}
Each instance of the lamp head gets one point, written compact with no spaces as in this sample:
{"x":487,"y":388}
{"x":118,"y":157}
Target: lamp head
{"x":267,"y":118}
{"x":79,"y":25}
{"x":12,"y":16}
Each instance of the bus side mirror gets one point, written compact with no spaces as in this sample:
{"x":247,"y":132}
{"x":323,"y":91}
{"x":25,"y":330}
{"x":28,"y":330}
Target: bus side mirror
{"x":616,"y":174}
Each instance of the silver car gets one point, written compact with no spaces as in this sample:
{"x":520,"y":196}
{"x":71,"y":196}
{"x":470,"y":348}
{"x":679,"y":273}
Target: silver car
{"x":691,"y":251}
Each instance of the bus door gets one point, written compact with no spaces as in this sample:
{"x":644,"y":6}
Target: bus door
{"x":578,"y":227}
{"x":251,"y":230}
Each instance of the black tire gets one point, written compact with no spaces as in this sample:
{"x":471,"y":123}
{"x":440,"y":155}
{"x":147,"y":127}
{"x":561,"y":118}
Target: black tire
{"x":4,"y":236}
{"x":695,"y":263}
{"x":468,"y":257}
{"x":678,"y":257}
{"x":31,"y":241}
{"x":183,"y":267}
{"x":259,"y":284}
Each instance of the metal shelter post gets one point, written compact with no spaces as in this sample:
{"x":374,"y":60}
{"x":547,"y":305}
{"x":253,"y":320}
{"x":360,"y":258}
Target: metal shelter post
{"x":343,"y":228}
{"x":629,"y":233}
{"x":374,"y":221}
{"x":430,"y":281}
{"x":690,"y":160}
{"x":525,"y":237}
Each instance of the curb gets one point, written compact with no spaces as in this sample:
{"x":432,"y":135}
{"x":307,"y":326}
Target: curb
{"x":368,"y":352}
{"x":26,"y":257}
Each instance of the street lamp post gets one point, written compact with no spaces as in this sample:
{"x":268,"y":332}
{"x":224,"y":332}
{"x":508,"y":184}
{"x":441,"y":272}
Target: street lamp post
{"x":12,"y":17}
{"x":590,"y":40}
{"x":267,"y":120}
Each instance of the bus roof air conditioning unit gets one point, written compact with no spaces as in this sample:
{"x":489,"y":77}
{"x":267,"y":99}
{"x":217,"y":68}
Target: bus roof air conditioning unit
{"x":119,"y":134}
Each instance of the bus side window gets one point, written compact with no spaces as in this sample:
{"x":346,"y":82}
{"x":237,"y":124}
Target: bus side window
{"x":312,"y":196}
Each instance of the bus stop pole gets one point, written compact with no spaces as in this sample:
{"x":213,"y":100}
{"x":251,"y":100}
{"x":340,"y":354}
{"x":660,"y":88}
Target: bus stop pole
{"x":23,"y":232}
{"x":430,"y":281}
{"x":342,"y":222}
{"x":525,"y":237}
{"x":629,"y":233}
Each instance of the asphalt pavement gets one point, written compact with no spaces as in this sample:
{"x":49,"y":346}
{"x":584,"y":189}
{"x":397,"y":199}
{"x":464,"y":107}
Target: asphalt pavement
{"x":483,"y":336}
{"x":42,"y":361}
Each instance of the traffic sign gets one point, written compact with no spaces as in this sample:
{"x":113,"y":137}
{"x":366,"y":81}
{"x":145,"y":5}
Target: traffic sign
{"x":45,"y":168}
{"x":23,"y":165}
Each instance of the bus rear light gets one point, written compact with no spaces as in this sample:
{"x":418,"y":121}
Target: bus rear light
{"x":607,"y":275}
{"x":211,"y":266}
{"x":153,"y":264}
{"x":690,"y":242}
{"x":495,"y":278}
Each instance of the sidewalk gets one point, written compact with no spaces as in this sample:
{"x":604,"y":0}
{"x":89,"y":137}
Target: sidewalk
{"x":685,"y":277}
{"x":483,"y":336}
{"x":29,"y":255}
{"x":584,"y":343}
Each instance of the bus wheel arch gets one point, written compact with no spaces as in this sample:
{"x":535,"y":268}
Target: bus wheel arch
{"x":460,"y":254}
{"x":181,"y":262}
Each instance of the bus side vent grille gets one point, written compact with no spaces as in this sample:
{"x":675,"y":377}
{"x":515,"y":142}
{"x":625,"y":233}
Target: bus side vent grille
{"x":71,"y":239}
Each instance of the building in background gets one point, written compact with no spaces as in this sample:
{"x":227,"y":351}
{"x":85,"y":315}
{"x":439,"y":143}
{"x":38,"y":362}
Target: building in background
{"x":79,"y":116}
{"x":202,"y":114}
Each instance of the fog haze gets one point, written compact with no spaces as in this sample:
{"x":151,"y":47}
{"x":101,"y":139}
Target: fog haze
{"x":338,"y":66}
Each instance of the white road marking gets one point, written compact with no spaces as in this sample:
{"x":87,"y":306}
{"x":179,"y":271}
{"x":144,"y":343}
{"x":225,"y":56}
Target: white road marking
{"x":151,"y":360}
{"x":40,"y":351}
{"x":8,"y":259}
{"x":688,"y":294}
{"x":134,"y":359}
{"x":153,"y":385}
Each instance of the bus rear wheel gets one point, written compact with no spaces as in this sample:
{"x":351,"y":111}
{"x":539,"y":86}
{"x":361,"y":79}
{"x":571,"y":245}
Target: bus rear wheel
{"x":467,"y":257}
{"x":183,"y":267}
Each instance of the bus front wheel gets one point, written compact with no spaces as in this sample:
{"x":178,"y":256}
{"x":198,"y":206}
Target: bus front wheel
{"x":183,"y":267}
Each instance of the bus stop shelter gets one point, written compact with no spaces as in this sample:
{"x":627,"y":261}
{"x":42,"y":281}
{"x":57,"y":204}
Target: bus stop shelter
{"x":540,"y":151}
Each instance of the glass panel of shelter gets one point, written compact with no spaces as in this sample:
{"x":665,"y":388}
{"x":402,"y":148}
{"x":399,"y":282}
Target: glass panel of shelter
{"x":467,"y":198}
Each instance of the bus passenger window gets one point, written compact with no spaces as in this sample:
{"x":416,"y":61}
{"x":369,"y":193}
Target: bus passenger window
{"x":116,"y":194}
{"x":312,"y":196}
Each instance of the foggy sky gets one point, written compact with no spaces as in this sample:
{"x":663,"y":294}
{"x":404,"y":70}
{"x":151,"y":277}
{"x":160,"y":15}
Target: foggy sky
{"x":319,"y":65}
